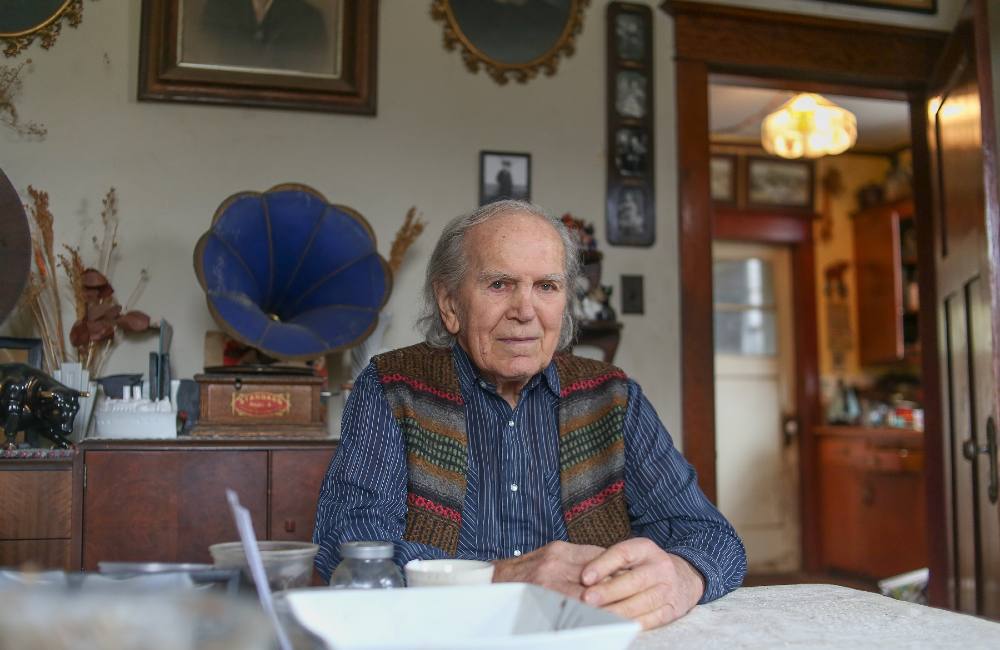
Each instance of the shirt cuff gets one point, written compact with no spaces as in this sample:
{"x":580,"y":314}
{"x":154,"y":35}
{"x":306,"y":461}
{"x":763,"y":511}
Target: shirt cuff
{"x":705,"y":564}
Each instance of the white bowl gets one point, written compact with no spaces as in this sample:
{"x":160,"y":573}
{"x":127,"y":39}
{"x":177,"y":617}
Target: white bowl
{"x":446,"y":573}
{"x":505,"y":616}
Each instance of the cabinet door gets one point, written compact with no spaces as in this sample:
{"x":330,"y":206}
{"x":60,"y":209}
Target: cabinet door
{"x":36,"y":518}
{"x":167,"y":506}
{"x":296,"y":476}
{"x":880,"y":287}
{"x":841,"y":501}
{"x":894,"y":519}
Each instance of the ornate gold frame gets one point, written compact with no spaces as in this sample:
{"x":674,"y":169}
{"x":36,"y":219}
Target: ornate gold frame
{"x":47,"y":30}
{"x":501,"y":72}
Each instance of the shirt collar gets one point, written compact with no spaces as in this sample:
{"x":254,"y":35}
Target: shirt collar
{"x":469,"y":378}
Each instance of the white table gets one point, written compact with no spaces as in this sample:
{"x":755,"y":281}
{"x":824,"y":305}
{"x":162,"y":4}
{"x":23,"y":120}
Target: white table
{"x":818,"y":616}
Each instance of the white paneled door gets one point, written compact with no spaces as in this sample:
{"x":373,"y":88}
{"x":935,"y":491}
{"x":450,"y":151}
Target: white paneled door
{"x":757,"y":459}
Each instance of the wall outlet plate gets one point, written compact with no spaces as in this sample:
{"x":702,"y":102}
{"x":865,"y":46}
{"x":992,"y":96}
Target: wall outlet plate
{"x":632,"y":294}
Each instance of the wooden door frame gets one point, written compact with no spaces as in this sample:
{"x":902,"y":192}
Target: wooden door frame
{"x":824,"y":54}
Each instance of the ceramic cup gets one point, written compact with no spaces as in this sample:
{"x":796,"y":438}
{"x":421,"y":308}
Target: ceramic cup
{"x":448,"y":573}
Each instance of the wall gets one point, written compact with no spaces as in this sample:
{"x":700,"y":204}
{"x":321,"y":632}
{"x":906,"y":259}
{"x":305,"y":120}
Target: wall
{"x":173,"y":164}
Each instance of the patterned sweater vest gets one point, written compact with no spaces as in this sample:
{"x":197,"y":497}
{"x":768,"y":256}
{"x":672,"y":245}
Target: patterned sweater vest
{"x":422,"y":388}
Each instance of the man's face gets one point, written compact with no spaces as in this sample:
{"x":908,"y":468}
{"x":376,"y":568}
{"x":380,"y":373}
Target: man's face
{"x":508,"y":310}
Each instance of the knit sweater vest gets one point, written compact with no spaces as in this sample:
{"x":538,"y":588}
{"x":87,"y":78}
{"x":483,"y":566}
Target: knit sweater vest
{"x":423,"y":391}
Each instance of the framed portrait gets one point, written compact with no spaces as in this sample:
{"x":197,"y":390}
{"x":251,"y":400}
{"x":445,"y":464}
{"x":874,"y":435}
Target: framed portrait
{"x":299,"y":54}
{"x":723,"y":178}
{"x":631,"y":220}
{"x":19,"y":350}
{"x":630,"y":208}
{"x":511,"y":40}
{"x":631,"y":151}
{"x":923,"y":6}
{"x":779,"y":183}
{"x":504,"y":175}
{"x":21,"y":22}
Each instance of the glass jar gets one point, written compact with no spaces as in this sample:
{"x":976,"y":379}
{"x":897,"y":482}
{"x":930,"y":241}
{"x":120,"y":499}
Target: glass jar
{"x":366,"y":565}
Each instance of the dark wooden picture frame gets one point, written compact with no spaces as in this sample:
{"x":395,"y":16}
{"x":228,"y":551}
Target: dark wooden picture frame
{"x":630,"y":212}
{"x":189,"y":54}
{"x":920,"y":6}
{"x":779,"y":183}
{"x":723,"y":175}
{"x":21,"y":350}
{"x":504,"y":175}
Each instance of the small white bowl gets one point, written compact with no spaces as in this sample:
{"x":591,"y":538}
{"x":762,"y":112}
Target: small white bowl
{"x":448,"y":573}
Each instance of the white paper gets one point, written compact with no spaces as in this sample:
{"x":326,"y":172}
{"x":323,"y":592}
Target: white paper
{"x":245,"y":527}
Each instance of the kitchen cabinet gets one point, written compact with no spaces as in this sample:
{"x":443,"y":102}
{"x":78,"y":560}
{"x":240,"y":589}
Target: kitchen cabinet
{"x":885,"y":260}
{"x":872,"y":503}
{"x":165,"y":501}
{"x":39,"y":511}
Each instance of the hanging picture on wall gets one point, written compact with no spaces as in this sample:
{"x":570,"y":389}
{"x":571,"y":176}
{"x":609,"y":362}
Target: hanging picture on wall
{"x":924,"y":6}
{"x":511,"y":39}
{"x":630,"y":211}
{"x":630,"y":224}
{"x":504,"y":175}
{"x":307,"y":54}
{"x":773,"y":182}
{"x":723,"y":178}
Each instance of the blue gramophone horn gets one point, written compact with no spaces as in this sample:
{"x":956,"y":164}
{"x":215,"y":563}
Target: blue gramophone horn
{"x":290,"y":274}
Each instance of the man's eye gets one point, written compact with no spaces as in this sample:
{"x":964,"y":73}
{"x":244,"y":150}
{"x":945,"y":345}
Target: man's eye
{"x":497,"y":284}
{"x":549,"y":286}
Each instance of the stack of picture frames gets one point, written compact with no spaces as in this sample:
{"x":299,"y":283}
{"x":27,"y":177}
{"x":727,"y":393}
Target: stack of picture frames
{"x":631,"y":208}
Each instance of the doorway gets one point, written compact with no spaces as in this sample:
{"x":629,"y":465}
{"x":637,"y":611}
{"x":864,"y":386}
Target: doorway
{"x":754,"y":395}
{"x":796,"y":52}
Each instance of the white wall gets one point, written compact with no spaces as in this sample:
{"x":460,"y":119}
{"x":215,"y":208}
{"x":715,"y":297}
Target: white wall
{"x":172,"y":164}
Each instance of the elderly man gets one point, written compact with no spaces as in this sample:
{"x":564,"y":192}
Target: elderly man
{"x":484,"y":443}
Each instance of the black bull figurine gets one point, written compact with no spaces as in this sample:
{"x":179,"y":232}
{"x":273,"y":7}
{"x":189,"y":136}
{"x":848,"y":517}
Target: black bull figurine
{"x":33,"y":402}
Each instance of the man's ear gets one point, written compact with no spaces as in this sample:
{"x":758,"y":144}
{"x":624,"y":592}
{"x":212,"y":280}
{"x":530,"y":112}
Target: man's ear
{"x":448,"y":309}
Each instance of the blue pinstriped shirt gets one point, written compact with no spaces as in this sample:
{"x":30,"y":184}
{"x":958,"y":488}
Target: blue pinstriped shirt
{"x":512,"y":503}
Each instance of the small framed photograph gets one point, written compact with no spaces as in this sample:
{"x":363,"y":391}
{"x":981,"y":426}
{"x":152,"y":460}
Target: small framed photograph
{"x":777,"y":183}
{"x":630,"y":94}
{"x":630,"y":36}
{"x":504,"y":175}
{"x":631,"y":151}
{"x":723,"y":178}
{"x":18,"y":350}
{"x":630,"y":217}
{"x":308,"y":54}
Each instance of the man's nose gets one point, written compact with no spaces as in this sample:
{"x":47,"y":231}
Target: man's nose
{"x":522,"y":307}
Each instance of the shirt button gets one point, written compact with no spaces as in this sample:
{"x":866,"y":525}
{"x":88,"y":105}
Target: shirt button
{"x":510,"y":423}
{"x":517,"y":552}
{"x":513,"y":487}
{"x":482,"y":384}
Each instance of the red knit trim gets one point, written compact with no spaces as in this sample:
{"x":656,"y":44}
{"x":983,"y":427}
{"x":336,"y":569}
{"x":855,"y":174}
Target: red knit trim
{"x":417,"y":501}
{"x":421,"y":386}
{"x":590,"y":384}
{"x":594,"y":501}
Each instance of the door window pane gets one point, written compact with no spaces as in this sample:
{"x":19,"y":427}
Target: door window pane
{"x":745,"y":319}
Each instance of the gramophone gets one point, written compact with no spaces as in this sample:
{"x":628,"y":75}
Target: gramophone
{"x":295,"y":277}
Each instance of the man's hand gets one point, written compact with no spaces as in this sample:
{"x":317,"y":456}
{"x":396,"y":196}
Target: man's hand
{"x":639,"y":580}
{"x":557,"y":566}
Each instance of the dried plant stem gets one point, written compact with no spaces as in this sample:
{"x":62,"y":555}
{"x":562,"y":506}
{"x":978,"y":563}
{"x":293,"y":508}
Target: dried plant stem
{"x":405,"y":236}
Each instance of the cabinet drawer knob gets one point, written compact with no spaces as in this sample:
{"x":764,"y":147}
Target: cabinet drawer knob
{"x":289,"y":525}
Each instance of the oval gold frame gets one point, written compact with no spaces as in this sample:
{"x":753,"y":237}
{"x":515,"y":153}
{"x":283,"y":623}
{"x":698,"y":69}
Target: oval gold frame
{"x":502,"y":72}
{"x":47,"y":30}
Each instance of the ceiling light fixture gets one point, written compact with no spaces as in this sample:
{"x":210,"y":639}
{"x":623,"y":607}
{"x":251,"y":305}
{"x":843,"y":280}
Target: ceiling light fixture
{"x":808,"y":126}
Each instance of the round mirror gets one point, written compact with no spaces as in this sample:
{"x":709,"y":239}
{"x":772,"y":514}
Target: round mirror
{"x":21,"y":21}
{"x":511,"y":38}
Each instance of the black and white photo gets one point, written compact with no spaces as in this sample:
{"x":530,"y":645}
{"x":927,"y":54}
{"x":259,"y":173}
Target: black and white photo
{"x":504,"y":175}
{"x":630,"y":95}
{"x":631,"y":151}
{"x":630,"y":38}
{"x":723,"y":178}
{"x":630,"y":222}
{"x":779,"y":183}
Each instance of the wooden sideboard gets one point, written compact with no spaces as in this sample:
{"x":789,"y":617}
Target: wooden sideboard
{"x":160,"y":500}
{"x":872,"y":502}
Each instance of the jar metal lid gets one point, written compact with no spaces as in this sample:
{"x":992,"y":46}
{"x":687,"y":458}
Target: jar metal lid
{"x":367,"y":550}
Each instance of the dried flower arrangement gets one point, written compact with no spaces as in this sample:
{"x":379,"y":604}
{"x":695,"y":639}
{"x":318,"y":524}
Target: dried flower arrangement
{"x":99,"y":316}
{"x":10,"y":86}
